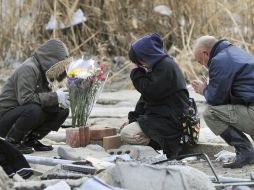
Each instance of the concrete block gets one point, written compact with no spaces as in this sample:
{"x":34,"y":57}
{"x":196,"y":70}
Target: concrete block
{"x":99,"y":133}
{"x":137,"y":152}
{"x":112,"y":142}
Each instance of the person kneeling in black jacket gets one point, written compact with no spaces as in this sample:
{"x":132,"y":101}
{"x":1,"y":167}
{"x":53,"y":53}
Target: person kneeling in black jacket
{"x":164,"y":97}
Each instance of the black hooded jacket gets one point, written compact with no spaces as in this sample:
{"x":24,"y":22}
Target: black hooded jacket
{"x":164,"y":96}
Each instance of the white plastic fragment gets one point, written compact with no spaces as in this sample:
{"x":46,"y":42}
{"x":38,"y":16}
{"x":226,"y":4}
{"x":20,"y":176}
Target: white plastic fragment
{"x":163,"y":10}
{"x":225,"y":156}
{"x":60,"y":185}
{"x":77,"y":18}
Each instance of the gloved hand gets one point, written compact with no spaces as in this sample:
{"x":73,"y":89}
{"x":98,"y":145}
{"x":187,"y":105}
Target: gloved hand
{"x":63,"y":98}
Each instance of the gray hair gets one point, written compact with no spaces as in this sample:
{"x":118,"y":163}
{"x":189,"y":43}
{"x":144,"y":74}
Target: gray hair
{"x":205,"y":42}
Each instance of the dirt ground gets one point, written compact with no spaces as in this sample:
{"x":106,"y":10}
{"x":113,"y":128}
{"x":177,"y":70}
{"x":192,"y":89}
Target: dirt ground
{"x":220,"y":171}
{"x":111,"y":111}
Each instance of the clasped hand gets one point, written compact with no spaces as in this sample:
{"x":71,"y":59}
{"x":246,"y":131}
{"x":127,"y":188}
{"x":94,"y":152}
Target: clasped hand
{"x":63,"y":98}
{"x":199,"y":85}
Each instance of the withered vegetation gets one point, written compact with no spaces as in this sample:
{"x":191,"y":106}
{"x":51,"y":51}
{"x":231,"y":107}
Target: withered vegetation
{"x":113,"y":24}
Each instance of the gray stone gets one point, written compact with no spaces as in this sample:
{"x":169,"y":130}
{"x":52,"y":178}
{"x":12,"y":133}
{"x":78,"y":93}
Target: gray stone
{"x":58,"y":173}
{"x":134,"y":176}
{"x":76,"y":154}
{"x":5,"y":182}
{"x":122,"y":95}
{"x":110,"y":112}
{"x":32,"y":185}
{"x":57,"y":136}
{"x":107,"y":101}
{"x":95,"y":147}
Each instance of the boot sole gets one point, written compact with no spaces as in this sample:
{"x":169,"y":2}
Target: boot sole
{"x":251,"y":162}
{"x":248,"y":163}
{"x":43,"y":149}
{"x":26,"y":151}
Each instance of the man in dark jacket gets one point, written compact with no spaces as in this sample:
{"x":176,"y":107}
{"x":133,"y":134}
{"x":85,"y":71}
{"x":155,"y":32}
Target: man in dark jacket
{"x":229,"y":93}
{"x":29,"y":110}
{"x":164,"y":97}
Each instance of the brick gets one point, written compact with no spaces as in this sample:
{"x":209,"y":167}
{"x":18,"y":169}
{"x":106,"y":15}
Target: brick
{"x":99,"y":133}
{"x":112,"y":142}
{"x":77,"y":137}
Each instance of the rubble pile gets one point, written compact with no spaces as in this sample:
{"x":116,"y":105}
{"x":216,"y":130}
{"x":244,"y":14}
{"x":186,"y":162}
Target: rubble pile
{"x":111,"y":165}
{"x":128,"y":167}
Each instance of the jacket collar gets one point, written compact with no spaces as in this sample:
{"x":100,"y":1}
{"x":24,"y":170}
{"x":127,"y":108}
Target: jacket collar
{"x":218,"y":47}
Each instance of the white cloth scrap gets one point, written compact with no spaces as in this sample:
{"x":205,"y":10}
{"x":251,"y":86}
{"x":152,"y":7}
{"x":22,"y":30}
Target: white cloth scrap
{"x":225,"y":156}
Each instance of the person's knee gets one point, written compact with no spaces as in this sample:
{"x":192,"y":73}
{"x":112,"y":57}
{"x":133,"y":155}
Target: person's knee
{"x":125,"y":134}
{"x":61,"y":116}
{"x":35,"y":112}
{"x":64,"y":113}
{"x":212,"y":121}
{"x":130,"y":134}
{"x":208,"y":113}
{"x":54,"y":123}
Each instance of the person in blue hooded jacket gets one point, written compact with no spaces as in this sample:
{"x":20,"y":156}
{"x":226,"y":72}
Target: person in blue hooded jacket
{"x":164,"y":97}
{"x":229,"y":94}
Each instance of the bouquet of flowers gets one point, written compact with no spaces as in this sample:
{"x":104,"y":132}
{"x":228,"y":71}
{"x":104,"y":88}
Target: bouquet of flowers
{"x":86,"y":79}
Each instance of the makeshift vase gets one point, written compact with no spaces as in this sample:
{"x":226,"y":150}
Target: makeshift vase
{"x":78,"y":137}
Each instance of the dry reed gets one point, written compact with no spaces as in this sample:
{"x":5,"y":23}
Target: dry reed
{"x":113,"y":24}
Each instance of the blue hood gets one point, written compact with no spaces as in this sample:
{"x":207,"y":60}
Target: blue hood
{"x":149,"y":48}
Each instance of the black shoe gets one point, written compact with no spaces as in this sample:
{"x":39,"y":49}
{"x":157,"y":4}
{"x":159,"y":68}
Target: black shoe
{"x":37,"y":145}
{"x":173,"y":153}
{"x":154,"y":145}
{"x":21,"y":147}
{"x":242,"y":158}
{"x":243,"y":147}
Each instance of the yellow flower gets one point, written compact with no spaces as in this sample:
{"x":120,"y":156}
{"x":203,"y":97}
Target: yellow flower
{"x":75,"y":72}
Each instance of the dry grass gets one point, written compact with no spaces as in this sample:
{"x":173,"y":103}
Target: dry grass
{"x":113,"y":24}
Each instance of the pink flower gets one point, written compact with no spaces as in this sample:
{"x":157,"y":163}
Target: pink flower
{"x":103,"y":66}
{"x":102,"y":77}
{"x":101,"y":73}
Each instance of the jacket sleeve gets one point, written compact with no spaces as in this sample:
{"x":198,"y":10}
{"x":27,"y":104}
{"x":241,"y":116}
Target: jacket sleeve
{"x":25,"y":82}
{"x":159,"y":83}
{"x":139,"y":110}
{"x":220,"y":82}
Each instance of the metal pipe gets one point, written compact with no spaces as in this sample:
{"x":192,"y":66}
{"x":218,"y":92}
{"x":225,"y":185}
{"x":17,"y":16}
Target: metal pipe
{"x":46,"y":161}
{"x":190,"y":155}
{"x":243,"y":183}
{"x":207,"y":159}
{"x":229,"y":179}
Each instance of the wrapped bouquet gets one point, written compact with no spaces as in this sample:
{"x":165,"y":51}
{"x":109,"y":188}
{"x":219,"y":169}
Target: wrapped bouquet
{"x":86,"y":79}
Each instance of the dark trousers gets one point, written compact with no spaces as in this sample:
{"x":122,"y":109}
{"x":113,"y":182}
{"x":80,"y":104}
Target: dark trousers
{"x":32,"y":119}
